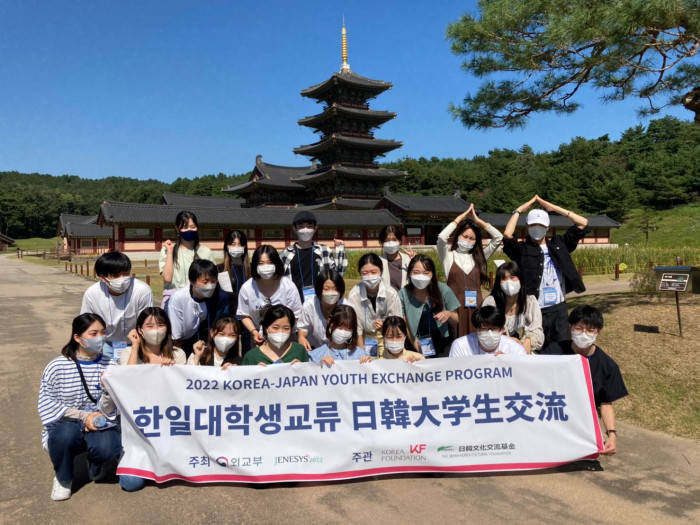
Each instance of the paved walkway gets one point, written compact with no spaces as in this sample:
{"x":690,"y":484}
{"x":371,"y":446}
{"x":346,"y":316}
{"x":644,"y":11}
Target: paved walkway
{"x":654,"y":478}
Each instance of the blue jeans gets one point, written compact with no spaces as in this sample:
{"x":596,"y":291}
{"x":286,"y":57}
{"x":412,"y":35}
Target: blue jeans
{"x":131,"y":483}
{"x":67,"y":440}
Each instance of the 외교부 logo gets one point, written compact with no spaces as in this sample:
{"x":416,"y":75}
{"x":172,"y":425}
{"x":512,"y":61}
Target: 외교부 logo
{"x":222,"y":461}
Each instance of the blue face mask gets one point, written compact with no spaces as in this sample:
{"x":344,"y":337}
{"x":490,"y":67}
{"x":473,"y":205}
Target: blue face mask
{"x":94,"y":345}
{"x":189,"y":235}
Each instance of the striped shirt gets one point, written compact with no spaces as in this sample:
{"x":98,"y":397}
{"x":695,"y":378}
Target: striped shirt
{"x":61,"y":388}
{"x":323,"y":258}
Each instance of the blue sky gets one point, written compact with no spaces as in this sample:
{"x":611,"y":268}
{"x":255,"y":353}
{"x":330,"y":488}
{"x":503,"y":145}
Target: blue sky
{"x":156,"y":89}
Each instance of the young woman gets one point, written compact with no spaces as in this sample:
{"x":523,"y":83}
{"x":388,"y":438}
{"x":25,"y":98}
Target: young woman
{"x":176,"y":258}
{"x":237,"y":266}
{"x":222,"y":349}
{"x":153,"y":341}
{"x":373,"y":301}
{"x":342,"y":338}
{"x":330,"y":289}
{"x":523,"y":316}
{"x":396,"y":340}
{"x":464,"y":262}
{"x":73,"y":406}
{"x":395,"y":263}
{"x":277,"y":346}
{"x":267,"y":287}
{"x":428,"y":307}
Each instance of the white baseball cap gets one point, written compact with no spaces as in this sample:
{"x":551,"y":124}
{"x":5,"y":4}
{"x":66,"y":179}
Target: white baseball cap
{"x":538,"y":217}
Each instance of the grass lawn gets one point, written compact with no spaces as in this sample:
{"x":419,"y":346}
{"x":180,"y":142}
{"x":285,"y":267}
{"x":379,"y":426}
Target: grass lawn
{"x":677,"y":226}
{"x":35,"y":244}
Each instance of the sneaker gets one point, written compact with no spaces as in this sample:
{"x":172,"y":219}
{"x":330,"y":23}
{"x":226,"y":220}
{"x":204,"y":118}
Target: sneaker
{"x":59,"y":492}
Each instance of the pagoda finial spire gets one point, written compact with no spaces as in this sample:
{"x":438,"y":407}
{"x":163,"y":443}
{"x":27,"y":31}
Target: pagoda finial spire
{"x":345,"y":68}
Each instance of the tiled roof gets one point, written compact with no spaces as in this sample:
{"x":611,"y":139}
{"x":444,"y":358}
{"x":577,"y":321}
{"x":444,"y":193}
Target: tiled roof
{"x":271,"y":176}
{"x":126,"y":214}
{"x":7,"y":240}
{"x":89,"y":231}
{"x":382,"y":145}
{"x":499,"y":220}
{"x":337,"y":109}
{"x":373,"y":86}
{"x":66,"y":218}
{"x":352,"y":171}
{"x":420,"y":203}
{"x":184,"y":201}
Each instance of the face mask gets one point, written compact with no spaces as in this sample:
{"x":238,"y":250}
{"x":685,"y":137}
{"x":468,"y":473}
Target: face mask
{"x":340,"y":336}
{"x":278,"y":339}
{"x":236,"y":251}
{"x":266,"y":271}
{"x":371,"y":281}
{"x":395,"y":347}
{"x":223,"y":344}
{"x":510,"y":287}
{"x":119,"y":285}
{"x":205,"y":291}
{"x":583,"y":340}
{"x":420,"y":281}
{"x":391,"y":247}
{"x":305,"y":234}
{"x":94,"y":345}
{"x":537,"y":232}
{"x":189,"y":235}
{"x":489,"y":340}
{"x":330,"y":297}
{"x":464,"y":246}
{"x":154,"y":337}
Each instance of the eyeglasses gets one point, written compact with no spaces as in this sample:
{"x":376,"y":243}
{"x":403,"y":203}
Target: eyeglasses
{"x":581,"y":329}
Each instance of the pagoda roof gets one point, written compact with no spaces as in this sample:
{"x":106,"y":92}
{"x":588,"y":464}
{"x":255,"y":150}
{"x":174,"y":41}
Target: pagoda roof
{"x":353,"y":171}
{"x":373,"y":87}
{"x":328,"y":142}
{"x":271,"y":176}
{"x":337,"y":109}
{"x":185,"y":201}
{"x":427,"y":203}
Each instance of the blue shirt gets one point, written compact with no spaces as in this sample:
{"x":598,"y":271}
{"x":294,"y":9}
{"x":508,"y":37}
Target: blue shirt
{"x":319,"y":353}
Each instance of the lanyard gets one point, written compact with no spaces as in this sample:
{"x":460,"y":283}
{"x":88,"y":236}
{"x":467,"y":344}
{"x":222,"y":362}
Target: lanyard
{"x":301,"y":273}
{"x":235,"y":274}
{"x":429,"y":318}
{"x":126,"y":295}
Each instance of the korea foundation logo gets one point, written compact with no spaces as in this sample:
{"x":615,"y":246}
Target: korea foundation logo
{"x":414,"y":453}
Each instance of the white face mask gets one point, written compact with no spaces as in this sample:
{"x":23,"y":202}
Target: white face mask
{"x":420,"y":281}
{"x":236,"y":251}
{"x":510,"y":287}
{"x":223,"y":343}
{"x":464,"y":246}
{"x":305,"y":234}
{"x":119,"y":285}
{"x":395,"y":347}
{"x":266,"y":271}
{"x":154,"y":337}
{"x":278,"y":338}
{"x":537,"y":232}
{"x":583,"y":340}
{"x":340,"y":336}
{"x":330,"y":297}
{"x":391,"y":247}
{"x":489,"y":340}
{"x":205,"y":291}
{"x":371,"y":281}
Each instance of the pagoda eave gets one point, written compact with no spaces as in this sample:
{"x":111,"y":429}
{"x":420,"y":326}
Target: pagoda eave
{"x":378,"y":145}
{"x":350,"y":79}
{"x":378,"y":117}
{"x":330,"y":172}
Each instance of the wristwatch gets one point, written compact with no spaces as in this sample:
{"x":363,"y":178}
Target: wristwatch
{"x":515,"y":211}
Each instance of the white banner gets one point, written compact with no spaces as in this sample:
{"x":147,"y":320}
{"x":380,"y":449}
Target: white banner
{"x":304,"y":422}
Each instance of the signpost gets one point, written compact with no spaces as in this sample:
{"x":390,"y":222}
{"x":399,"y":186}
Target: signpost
{"x":678,"y":279}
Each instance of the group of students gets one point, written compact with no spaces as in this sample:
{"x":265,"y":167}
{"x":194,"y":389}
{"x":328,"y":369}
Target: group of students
{"x":291,"y":307}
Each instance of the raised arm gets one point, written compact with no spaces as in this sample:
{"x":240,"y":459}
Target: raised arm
{"x":580,"y":222}
{"x":513,"y":221}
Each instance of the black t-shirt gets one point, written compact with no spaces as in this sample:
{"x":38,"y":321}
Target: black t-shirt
{"x":304,"y":268}
{"x":608,"y":385}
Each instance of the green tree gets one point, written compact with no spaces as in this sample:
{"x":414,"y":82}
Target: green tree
{"x":543,"y":51}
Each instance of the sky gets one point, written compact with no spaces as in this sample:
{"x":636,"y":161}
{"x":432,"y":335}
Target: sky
{"x":168,"y":89}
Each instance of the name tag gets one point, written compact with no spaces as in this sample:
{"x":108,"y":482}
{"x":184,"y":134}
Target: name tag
{"x":117,"y":347}
{"x":371,"y":346}
{"x":427,"y":348}
{"x":550,"y":295}
{"x":309,"y":292}
{"x":470,"y":299}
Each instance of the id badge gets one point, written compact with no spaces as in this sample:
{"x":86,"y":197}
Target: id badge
{"x":550,"y":296}
{"x":470,"y":299}
{"x":427,"y":348}
{"x":117,"y":347}
{"x":371,"y":346}
{"x":309,"y":292}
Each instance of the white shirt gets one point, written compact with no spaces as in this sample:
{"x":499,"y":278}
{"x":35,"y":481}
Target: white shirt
{"x":252,"y":303}
{"x":469,"y":345}
{"x":313,"y":322}
{"x":464,"y":260}
{"x":185,"y":314}
{"x":185,"y":258}
{"x":388,"y":303}
{"x":178,"y":356}
{"x":118,"y":311}
{"x":218,"y":361}
{"x":551,"y":277}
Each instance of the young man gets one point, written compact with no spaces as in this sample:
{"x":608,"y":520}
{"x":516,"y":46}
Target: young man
{"x":194,"y":309}
{"x":489,"y":338}
{"x":118,"y":299}
{"x":585,"y":323}
{"x":548,"y":271}
{"x":305,"y":259}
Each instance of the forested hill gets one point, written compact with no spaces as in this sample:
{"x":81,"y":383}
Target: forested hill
{"x":654,"y":166}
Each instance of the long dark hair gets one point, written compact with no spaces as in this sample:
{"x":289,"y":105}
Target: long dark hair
{"x":508,"y":268}
{"x":181,"y":221}
{"x":166,"y":345}
{"x":477,"y":252}
{"x":243,"y":239}
{"x":207,"y":358}
{"x":434,"y":293}
{"x":343,"y":314}
{"x":271,"y":252}
{"x":80,"y":326}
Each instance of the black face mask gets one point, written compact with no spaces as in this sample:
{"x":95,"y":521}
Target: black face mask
{"x":189,"y":235}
